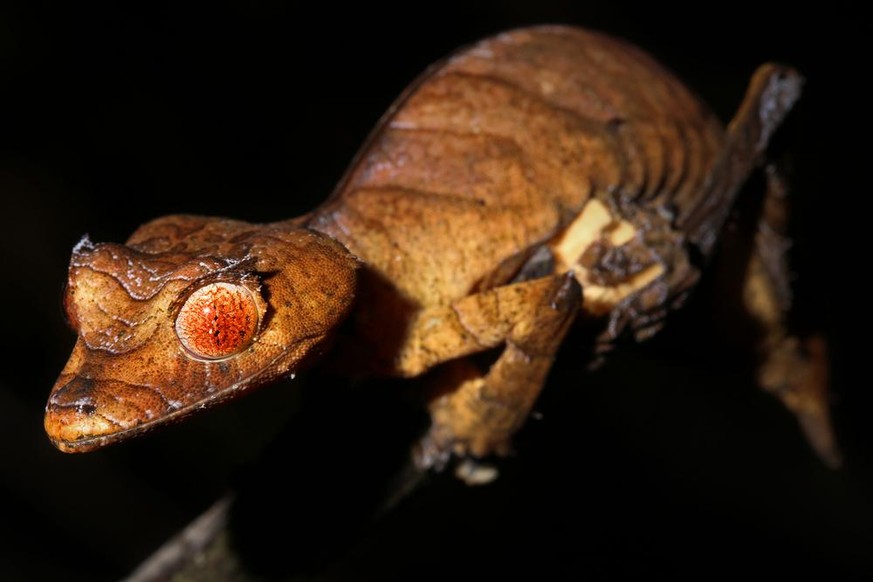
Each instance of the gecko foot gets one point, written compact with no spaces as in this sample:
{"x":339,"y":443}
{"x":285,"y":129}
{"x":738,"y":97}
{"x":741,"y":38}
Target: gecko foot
{"x":438,"y":449}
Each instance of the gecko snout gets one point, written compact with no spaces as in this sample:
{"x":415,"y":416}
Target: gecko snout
{"x":82,"y":413}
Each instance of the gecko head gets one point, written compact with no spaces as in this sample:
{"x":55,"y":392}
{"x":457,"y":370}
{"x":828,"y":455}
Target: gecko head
{"x":190,"y":312}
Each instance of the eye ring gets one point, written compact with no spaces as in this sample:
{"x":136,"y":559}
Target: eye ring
{"x":217,"y":321}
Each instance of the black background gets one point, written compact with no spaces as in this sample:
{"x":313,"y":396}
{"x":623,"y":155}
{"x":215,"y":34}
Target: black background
{"x":666,"y":462}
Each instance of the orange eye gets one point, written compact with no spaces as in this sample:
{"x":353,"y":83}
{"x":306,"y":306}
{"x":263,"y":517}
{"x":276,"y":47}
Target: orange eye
{"x":218,"y":320}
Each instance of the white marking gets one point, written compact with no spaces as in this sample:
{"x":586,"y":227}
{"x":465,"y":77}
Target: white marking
{"x":593,"y":224}
{"x":581,"y":234}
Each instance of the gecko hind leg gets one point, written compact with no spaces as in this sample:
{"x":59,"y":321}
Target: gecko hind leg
{"x":474,"y":413}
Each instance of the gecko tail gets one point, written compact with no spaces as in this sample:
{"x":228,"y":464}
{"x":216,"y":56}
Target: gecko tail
{"x":797,"y":373}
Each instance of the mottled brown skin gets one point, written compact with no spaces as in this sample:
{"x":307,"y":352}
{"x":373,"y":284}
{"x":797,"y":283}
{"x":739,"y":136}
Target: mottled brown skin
{"x":540,"y":177}
{"x":129,"y":372}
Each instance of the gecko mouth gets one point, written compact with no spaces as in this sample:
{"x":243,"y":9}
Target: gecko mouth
{"x":84,"y":414}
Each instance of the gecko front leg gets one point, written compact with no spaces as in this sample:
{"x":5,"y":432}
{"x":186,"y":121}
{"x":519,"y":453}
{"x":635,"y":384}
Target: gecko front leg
{"x":475,"y":412}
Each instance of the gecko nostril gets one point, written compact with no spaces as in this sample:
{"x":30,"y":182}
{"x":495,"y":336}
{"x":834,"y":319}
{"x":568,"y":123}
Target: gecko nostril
{"x":73,"y":415}
{"x":77,"y":394}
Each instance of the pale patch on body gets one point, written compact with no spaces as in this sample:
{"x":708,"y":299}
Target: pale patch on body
{"x":596,"y":224}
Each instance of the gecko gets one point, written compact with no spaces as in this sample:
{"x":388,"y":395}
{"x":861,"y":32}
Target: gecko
{"x":540,"y":179}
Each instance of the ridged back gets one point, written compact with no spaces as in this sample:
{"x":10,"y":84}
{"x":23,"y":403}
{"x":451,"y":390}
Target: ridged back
{"x":499,"y":147}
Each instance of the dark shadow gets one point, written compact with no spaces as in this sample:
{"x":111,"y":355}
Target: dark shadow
{"x":326,"y":478}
